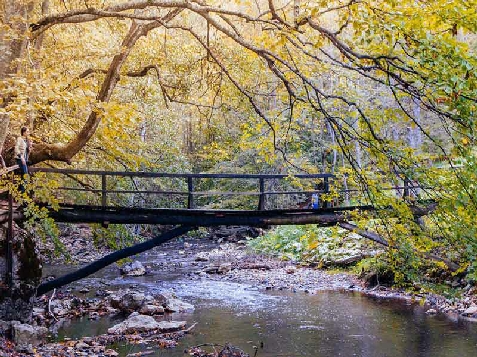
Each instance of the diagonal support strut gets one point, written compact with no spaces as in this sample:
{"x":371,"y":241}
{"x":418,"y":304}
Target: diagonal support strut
{"x":111,"y":258}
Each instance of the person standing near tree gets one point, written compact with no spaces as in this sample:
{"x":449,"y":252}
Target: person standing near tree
{"x":22,"y":148}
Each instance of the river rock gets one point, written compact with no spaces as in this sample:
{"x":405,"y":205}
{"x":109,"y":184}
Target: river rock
{"x":24,"y":334}
{"x":128,"y":302}
{"x":290,"y":270}
{"x":38,"y":311}
{"x":149,"y":299}
{"x":171,"y":326}
{"x":143,"y":323}
{"x":150,"y":309}
{"x":60,"y":308}
{"x":211,"y":269}
{"x":201,"y":257}
{"x":175,"y":305}
{"x":470,"y":311}
{"x":133,"y":269}
{"x":218,"y":269}
{"x":5,"y":326}
{"x":160,"y":299}
{"x":82,"y":346}
{"x":232,"y":351}
{"x":235,"y":233}
{"x":224,"y":268}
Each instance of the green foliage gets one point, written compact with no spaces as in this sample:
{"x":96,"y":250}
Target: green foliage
{"x":115,"y":236}
{"x":376,"y":264}
{"x":33,"y":202}
{"x":309,"y":244}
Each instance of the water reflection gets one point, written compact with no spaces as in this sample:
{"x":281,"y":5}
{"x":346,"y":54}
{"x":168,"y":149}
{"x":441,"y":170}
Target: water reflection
{"x":300,"y":325}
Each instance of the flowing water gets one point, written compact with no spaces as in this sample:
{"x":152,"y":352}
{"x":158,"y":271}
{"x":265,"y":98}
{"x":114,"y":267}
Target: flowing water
{"x":287,"y":324}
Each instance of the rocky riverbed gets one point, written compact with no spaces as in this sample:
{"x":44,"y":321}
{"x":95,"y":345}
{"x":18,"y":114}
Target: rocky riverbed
{"x":146,"y":321}
{"x":233,"y":262}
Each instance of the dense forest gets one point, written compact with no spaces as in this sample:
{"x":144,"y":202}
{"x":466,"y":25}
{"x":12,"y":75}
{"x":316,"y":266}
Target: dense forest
{"x":378,"y":93}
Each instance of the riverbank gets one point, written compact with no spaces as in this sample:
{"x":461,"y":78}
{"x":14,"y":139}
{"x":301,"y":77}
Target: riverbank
{"x":234,"y":262}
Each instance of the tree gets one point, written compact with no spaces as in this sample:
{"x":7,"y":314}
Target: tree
{"x":282,"y":63}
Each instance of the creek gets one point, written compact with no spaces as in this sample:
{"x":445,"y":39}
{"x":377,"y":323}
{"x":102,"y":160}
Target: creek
{"x":286,"y":324}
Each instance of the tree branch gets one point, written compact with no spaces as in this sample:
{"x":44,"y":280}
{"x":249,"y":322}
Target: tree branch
{"x":378,"y":239}
{"x":65,"y":152}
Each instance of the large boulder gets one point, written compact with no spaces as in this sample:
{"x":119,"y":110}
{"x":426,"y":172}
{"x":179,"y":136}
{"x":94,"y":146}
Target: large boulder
{"x":25,"y":335}
{"x":149,"y":309}
{"x":133,"y":269}
{"x":129,"y":302}
{"x":174,"y":304}
{"x":143,"y":323}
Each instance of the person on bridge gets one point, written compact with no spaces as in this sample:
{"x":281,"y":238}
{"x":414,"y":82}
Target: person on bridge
{"x":22,"y":148}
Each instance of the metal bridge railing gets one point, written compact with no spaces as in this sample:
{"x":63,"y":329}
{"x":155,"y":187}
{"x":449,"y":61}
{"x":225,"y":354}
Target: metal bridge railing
{"x":191,"y":180}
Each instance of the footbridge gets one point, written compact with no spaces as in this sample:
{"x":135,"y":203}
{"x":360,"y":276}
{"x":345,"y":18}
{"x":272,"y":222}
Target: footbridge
{"x":188,"y":201}
{"x":198,"y":199}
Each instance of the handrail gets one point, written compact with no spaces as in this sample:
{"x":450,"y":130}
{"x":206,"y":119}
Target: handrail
{"x":261,"y":192}
{"x":174,"y":175}
{"x":191,"y":194}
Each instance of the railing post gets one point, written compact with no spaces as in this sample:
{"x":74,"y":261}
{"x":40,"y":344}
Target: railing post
{"x":345,"y":183}
{"x":406,"y":192}
{"x":261,"y":199}
{"x":190,"y":189}
{"x":9,"y":252}
{"x":104,"y":198}
{"x":326,"y":190}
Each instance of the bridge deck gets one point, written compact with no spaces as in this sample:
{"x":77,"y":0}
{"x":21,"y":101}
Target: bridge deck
{"x":106,"y":206}
{"x":198,"y":217}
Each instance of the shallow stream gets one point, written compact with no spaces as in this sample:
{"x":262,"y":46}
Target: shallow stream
{"x":287,"y":324}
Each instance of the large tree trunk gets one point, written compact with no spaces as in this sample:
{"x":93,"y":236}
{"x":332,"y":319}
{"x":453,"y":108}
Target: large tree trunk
{"x":11,"y":51}
{"x":16,"y":300}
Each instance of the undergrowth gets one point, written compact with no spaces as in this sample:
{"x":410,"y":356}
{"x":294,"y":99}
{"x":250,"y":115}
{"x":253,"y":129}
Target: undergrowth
{"x":310,"y":244}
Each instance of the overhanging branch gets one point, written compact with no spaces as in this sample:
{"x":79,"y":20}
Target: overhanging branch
{"x":380,"y":240}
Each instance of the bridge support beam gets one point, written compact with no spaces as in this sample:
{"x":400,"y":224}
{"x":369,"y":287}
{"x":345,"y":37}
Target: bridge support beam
{"x":85,"y":214}
{"x":111,"y":258}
